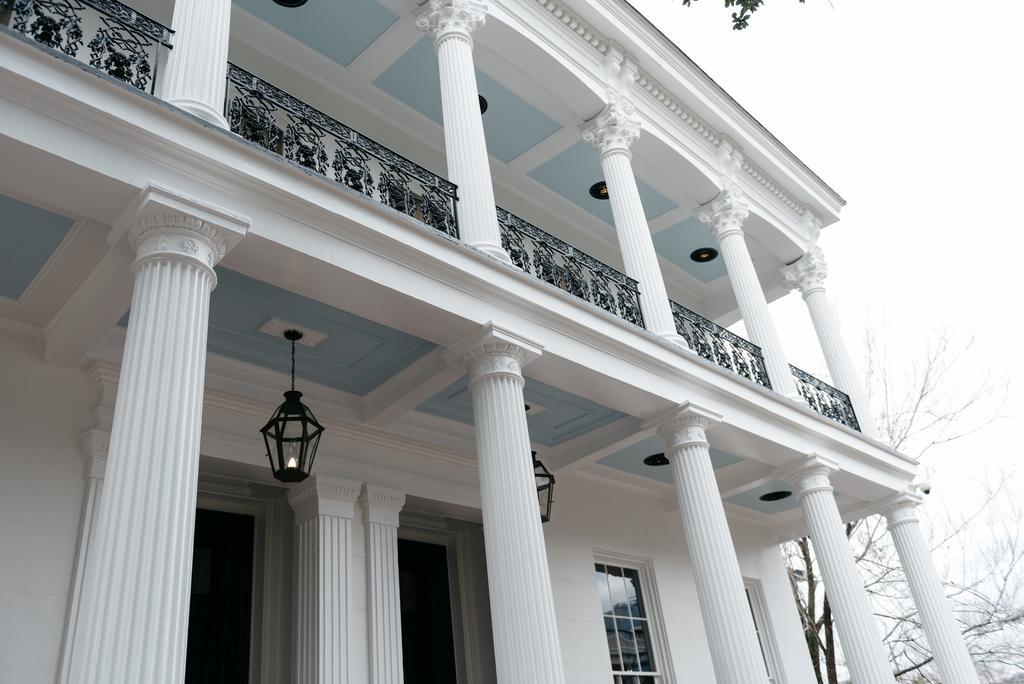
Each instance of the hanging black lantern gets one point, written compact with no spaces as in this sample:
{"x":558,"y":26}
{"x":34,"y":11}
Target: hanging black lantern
{"x":545,"y":487}
{"x":292,"y":435}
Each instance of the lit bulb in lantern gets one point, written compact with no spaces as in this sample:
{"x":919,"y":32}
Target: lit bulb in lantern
{"x":292,"y":463}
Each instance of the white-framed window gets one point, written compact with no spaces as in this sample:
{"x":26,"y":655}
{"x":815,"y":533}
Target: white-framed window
{"x":632,"y":620}
{"x":755,"y":597}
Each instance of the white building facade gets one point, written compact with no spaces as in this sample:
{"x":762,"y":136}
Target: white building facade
{"x":503,"y":228}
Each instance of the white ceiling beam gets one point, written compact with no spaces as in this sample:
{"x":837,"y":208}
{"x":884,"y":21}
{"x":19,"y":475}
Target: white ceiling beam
{"x":594,"y":442}
{"x":547,"y":149}
{"x":95,"y":307}
{"x":396,"y":40}
{"x":611,"y":438}
{"x":408,"y":389}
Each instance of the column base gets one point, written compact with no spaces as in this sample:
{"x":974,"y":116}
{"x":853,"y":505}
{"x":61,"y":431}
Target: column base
{"x":493,"y":250}
{"x":202,"y":110}
{"x":676,"y":340}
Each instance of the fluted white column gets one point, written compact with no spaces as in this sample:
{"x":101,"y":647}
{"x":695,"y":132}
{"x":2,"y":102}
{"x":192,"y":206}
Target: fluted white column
{"x":808,"y":274}
{"x":135,"y":596}
{"x":940,"y":628}
{"x":612,"y":132}
{"x":735,"y":651}
{"x":526,"y":645}
{"x":725,"y":215}
{"x":324,"y":507}
{"x":382,"y":506}
{"x":858,"y":630}
{"x":195,"y":78}
{"x":452,"y":22}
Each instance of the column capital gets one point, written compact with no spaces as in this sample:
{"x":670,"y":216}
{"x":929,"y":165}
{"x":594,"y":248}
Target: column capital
{"x":807,"y":273}
{"x":452,"y":18}
{"x":382,"y":504}
{"x":164,"y":223}
{"x":615,"y":128}
{"x":493,"y":351}
{"x":95,"y":445}
{"x":901,"y":508}
{"x":810,"y":475}
{"x":684,"y":425}
{"x":726,"y":213}
{"x":324,"y":495}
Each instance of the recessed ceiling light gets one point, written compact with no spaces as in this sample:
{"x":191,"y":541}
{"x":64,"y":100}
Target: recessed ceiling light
{"x":290,"y":3}
{"x":599,"y":190}
{"x":776,"y":496}
{"x":704,"y":255}
{"x":483,"y":103}
{"x":656,"y":460}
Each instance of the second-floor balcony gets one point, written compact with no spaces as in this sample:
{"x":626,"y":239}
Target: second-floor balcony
{"x":129,"y":47}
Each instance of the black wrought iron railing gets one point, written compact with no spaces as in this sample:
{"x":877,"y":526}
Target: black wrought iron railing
{"x":825,"y":399}
{"x":105,"y":34}
{"x":547,"y":258}
{"x":718,"y":345}
{"x":271,"y":118}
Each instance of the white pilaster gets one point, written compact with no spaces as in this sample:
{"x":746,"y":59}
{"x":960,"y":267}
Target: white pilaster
{"x":526,"y":644}
{"x":724,"y":215}
{"x":324,"y":507}
{"x":944,"y":638}
{"x":735,"y":651}
{"x":452,"y":22}
{"x":95,"y":444}
{"x":132,"y":625}
{"x":612,"y":132}
{"x":855,"y":620}
{"x":196,"y":75}
{"x":808,"y":274}
{"x":382,"y":506}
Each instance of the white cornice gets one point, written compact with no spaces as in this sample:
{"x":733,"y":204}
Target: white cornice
{"x":747,"y":128}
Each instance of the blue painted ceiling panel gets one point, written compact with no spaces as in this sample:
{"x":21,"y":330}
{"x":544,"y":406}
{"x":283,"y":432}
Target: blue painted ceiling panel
{"x":30,"y":235}
{"x":571,"y":173}
{"x":631,"y":460}
{"x":511,"y":125}
{"x":565,"y":416}
{"x":337,"y":30}
{"x":357,"y":356}
{"x":679,"y":241}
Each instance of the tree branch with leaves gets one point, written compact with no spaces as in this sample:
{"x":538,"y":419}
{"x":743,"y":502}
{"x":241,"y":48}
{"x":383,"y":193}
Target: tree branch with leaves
{"x":744,"y":11}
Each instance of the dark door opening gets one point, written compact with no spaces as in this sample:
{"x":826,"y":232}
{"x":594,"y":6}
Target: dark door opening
{"x":219,"y":614}
{"x":428,"y":648}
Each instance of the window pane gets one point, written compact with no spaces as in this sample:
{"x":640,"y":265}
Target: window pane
{"x":630,"y":661}
{"x":613,"y":644}
{"x":643,"y":646}
{"x":602,"y":590}
{"x":633,"y":595}
{"x":620,"y":606}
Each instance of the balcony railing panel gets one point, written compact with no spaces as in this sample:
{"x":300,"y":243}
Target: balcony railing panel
{"x":105,"y":34}
{"x":720,"y":346}
{"x":271,"y":118}
{"x":547,"y":258}
{"x":825,"y":399}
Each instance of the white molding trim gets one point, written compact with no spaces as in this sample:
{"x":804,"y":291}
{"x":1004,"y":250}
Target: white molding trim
{"x":765,"y":631}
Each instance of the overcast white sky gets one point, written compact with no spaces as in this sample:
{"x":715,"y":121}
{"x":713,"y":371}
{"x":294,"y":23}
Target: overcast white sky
{"x":912,"y":111}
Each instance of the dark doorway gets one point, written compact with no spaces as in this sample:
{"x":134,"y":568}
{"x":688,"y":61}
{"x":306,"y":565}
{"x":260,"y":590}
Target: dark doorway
{"x":218,"y":621}
{"x":428,"y":648}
